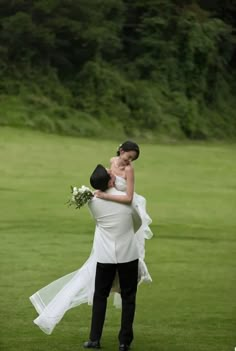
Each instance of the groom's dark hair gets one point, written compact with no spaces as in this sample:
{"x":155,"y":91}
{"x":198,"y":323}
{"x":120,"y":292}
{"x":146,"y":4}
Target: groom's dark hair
{"x":99,"y":178}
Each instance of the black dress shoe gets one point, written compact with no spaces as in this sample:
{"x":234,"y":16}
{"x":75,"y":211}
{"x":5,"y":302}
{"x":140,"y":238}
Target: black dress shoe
{"x":92,"y":345}
{"x":124,"y":347}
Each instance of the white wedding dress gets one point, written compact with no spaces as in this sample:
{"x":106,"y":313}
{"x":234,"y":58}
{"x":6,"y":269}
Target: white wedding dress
{"x":52,"y":301}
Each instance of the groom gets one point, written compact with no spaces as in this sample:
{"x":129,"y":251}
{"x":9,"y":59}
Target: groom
{"x":116,"y":251}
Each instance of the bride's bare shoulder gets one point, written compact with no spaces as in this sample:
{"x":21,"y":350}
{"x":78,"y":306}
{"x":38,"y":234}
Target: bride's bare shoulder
{"x":129,"y":168}
{"x":112,"y":159}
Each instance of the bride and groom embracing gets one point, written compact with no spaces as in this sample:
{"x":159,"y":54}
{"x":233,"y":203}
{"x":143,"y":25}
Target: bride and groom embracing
{"x":116,"y":262}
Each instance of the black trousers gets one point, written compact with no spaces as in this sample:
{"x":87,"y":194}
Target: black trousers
{"x":128,"y":277}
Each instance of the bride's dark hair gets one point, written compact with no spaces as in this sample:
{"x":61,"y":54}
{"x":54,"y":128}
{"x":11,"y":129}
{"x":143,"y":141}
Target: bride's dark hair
{"x":129,"y":146}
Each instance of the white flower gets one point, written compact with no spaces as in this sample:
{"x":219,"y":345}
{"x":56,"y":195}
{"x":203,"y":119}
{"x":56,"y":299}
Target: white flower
{"x":83,"y":189}
{"x":75,"y":190}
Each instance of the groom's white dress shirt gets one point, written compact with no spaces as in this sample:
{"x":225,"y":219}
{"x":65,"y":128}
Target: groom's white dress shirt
{"x":116,"y":224}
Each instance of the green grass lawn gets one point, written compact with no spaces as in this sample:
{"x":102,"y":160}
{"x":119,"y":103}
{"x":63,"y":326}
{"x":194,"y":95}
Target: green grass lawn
{"x":191,"y":194}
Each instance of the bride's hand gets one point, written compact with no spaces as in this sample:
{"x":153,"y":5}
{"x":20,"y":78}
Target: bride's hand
{"x":100,"y":194}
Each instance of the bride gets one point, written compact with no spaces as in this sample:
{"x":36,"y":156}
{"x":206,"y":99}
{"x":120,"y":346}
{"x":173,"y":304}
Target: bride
{"x":52,"y":301}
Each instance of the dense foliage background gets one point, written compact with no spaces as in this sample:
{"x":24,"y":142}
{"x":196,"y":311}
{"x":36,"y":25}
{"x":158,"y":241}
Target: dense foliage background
{"x":143,"y":68}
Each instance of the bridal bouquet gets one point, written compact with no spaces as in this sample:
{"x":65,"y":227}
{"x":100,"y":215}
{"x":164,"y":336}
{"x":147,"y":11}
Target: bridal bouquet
{"x":80,"y":196}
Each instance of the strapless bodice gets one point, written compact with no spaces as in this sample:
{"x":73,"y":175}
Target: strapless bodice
{"x":120,"y":183}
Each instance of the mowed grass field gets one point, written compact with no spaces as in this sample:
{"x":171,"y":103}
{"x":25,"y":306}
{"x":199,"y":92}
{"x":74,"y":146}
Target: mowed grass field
{"x":191,"y":197}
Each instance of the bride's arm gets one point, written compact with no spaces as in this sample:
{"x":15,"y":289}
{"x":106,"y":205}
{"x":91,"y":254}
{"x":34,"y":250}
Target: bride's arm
{"x":128,"y":195}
